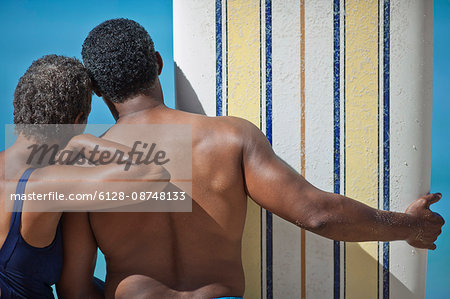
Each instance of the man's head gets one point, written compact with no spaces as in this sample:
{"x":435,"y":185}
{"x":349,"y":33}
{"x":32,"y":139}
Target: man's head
{"x":121,"y":59}
{"x":54,"y":90}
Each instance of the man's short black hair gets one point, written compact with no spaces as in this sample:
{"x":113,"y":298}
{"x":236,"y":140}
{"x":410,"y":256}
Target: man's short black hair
{"x":120,"y":57}
{"x":53,"y":90}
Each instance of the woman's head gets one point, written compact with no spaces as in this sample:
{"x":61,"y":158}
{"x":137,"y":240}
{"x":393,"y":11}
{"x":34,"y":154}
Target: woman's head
{"x":54,"y":90}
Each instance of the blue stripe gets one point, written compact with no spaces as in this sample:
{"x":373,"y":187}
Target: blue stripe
{"x":386,"y":157}
{"x":218,"y":57}
{"x":269,"y":221}
{"x":386,"y":270}
{"x":337,"y":144}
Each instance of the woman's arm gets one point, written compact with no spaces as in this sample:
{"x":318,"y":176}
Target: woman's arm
{"x":87,"y":148}
{"x":110,"y":176}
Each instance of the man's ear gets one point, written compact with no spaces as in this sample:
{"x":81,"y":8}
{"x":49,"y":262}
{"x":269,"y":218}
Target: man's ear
{"x":160,"y":62}
{"x":80,"y":118}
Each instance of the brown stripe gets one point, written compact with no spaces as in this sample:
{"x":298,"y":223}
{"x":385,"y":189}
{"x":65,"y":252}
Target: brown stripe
{"x":302,"y":137}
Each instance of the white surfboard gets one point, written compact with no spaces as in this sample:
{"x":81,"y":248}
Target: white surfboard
{"x":342,"y":89}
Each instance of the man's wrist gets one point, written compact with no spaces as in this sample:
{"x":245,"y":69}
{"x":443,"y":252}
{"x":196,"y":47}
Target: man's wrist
{"x":400,"y":226}
{"x":410,"y":226}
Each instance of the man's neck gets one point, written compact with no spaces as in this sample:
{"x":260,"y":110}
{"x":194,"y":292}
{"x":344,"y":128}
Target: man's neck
{"x":137,"y":105}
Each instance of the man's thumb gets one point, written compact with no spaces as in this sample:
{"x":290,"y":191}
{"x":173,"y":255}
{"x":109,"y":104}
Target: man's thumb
{"x":432,"y":198}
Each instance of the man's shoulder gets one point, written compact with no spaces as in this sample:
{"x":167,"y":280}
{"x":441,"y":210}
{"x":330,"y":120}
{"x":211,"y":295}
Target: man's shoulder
{"x":225,"y":135}
{"x":227,"y":127}
{"x":222,"y":124}
{"x":231,"y":124}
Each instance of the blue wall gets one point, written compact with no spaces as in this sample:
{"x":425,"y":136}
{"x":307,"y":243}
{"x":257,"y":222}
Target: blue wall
{"x":438,"y":275}
{"x":31,"y":29}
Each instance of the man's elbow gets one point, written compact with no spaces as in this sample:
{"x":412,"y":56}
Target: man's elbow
{"x":318,"y":224}
{"x":315,"y":223}
{"x":324,"y":213}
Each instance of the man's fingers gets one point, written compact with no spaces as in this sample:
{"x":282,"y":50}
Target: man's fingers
{"x":430,"y":238}
{"x":425,"y":245}
{"x":429,"y":245}
{"x":433,"y":232}
{"x":432,"y":198}
{"x":439,"y":218}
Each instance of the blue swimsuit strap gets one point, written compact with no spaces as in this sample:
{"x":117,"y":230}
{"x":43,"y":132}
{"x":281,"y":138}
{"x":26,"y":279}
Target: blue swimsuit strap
{"x":20,"y":189}
{"x":14,"y":230}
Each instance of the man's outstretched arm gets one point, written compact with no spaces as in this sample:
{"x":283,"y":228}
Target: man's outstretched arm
{"x":274,"y":185}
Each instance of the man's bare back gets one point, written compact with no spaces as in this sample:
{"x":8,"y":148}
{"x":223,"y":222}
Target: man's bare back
{"x":185,"y":251}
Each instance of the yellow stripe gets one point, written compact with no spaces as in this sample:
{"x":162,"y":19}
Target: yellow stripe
{"x":243,"y":45}
{"x":361,"y":136}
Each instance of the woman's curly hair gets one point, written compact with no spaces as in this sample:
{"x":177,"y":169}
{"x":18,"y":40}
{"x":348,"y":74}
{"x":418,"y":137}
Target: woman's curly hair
{"x":54,"y":90}
{"x":121,"y":59}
